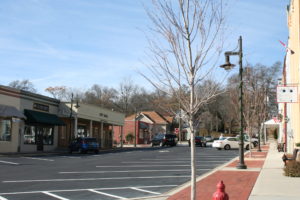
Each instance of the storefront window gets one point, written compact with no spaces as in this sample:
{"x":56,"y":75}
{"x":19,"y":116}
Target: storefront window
{"x":82,"y":131}
{"x":32,"y":132}
{"x":29,"y":135}
{"x":5,"y":129}
{"x":48,"y":136}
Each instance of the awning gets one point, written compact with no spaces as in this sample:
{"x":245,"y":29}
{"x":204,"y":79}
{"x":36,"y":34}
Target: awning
{"x":10,"y":111}
{"x":42,"y":118}
{"x":143,"y":125}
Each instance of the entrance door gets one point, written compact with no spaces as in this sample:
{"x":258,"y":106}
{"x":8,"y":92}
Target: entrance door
{"x":39,"y":139}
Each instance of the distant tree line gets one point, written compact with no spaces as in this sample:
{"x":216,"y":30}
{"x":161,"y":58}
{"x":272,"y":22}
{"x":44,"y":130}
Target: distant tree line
{"x":219,"y":114}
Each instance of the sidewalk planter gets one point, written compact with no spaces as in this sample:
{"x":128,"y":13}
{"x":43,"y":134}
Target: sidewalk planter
{"x":292,"y":169}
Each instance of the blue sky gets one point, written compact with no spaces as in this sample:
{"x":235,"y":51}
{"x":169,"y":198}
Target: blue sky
{"x":78,"y":43}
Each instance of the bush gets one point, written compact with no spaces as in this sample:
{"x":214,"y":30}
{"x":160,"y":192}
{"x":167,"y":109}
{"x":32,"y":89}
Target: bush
{"x":275,"y":135}
{"x":292,"y":169}
{"x":298,"y":144}
{"x":129,"y":137}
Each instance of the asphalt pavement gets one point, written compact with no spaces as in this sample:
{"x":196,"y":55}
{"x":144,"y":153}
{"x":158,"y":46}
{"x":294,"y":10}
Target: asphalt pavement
{"x":130,"y":174}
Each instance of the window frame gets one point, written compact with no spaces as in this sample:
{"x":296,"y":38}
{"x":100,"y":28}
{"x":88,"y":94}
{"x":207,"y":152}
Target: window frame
{"x":10,"y":131}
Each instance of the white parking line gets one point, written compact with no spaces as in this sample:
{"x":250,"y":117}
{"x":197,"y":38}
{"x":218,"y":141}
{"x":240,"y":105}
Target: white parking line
{"x":70,"y":156}
{"x":129,"y":171}
{"x":39,"y":159}
{"x":73,"y":190}
{"x":6,"y":162}
{"x":91,"y":179}
{"x":106,"y":194}
{"x":2,"y":198}
{"x":55,"y":196}
{"x":206,"y":161}
{"x":147,"y":191}
{"x":145,"y":166}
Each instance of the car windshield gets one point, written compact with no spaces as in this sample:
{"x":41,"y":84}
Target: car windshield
{"x":90,"y":140}
{"x":159,"y":136}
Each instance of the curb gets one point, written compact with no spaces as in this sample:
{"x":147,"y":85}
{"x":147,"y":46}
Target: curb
{"x":199,"y":178}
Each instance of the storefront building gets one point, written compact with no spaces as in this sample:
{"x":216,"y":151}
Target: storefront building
{"x":85,"y":120}
{"x":28,"y":121}
{"x":31,"y":122}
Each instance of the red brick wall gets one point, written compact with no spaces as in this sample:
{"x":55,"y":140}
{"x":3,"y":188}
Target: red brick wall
{"x":128,"y":128}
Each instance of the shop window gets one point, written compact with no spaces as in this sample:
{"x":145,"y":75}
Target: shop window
{"x":82,"y":131}
{"x":5,"y":129}
{"x":48,"y":135}
{"x":29,"y":135}
{"x":141,"y":134}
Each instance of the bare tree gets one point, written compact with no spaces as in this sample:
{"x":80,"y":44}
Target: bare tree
{"x":187,"y":43}
{"x":58,"y":92}
{"x":126,"y":92}
{"x":23,"y":85}
{"x":99,"y":95}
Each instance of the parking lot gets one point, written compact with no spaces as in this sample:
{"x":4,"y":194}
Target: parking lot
{"x":125,"y":174}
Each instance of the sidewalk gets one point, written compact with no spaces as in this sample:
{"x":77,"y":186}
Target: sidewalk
{"x":262,"y":180}
{"x":272,"y":184}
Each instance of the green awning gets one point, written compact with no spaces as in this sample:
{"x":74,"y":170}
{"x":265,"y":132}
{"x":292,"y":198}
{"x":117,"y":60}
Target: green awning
{"x":42,"y":118}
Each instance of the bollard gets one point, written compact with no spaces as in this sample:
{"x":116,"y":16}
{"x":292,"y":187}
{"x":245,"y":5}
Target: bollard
{"x":220,"y":194}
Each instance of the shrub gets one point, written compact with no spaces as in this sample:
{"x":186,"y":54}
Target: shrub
{"x":129,"y":137}
{"x":275,"y":135}
{"x":292,"y":169}
{"x":298,"y":144}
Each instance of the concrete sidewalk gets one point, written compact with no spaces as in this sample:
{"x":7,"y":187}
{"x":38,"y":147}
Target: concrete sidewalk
{"x":271,"y":183}
{"x":262,"y":180}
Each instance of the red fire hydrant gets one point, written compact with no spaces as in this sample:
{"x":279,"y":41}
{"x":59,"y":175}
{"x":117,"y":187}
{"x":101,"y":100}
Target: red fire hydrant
{"x":220,"y":194}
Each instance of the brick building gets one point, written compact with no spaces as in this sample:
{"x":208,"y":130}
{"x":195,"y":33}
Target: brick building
{"x":144,"y":126}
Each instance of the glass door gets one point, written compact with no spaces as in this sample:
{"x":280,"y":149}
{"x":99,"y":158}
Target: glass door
{"x":39,"y":139}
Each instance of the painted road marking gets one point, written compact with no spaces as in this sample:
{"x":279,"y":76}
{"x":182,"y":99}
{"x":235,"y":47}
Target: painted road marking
{"x":91,"y":179}
{"x":39,"y":159}
{"x":147,"y":191}
{"x":123,"y":166}
{"x":106,"y":194}
{"x":11,"y":163}
{"x":205,"y":161}
{"x":128,"y":171}
{"x":75,"y":190}
{"x":54,"y":195}
{"x":2,"y":198}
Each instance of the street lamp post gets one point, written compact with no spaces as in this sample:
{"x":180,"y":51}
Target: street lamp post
{"x":228,"y":66}
{"x":71,"y":116}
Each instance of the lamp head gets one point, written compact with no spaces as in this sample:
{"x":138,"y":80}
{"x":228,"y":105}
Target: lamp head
{"x":227,"y":65}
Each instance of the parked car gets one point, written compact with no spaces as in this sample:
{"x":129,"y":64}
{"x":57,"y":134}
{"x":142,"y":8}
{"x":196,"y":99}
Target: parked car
{"x":209,"y":138}
{"x":199,"y":141}
{"x":254,"y":140}
{"x":164,"y":140}
{"x":84,"y":144}
{"x":229,"y":143}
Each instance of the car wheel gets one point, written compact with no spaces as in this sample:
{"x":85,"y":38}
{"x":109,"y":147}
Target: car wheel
{"x":247,"y":147}
{"x":80,"y":150}
{"x":227,"y":147}
{"x":96,"y":151}
{"x":152,"y":144}
{"x":70,"y":151}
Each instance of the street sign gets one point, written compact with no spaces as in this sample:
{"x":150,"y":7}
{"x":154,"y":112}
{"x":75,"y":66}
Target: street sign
{"x":287,"y":94}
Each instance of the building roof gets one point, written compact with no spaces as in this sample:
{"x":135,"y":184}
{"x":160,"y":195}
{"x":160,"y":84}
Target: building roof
{"x":153,"y":116}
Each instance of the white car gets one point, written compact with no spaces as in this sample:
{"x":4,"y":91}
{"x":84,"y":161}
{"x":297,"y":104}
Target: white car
{"x":229,"y":143}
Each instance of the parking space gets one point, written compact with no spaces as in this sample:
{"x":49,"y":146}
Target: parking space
{"x":121,"y":175}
